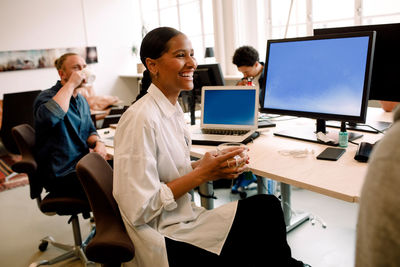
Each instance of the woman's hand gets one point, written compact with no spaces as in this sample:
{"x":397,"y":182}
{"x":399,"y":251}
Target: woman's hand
{"x":214,"y":166}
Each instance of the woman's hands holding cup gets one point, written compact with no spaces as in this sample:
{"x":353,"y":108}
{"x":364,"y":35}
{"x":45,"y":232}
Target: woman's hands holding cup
{"x":229,"y":161}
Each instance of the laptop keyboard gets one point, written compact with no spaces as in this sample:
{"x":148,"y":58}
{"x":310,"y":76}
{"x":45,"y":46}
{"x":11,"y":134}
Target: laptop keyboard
{"x":224,"y":131}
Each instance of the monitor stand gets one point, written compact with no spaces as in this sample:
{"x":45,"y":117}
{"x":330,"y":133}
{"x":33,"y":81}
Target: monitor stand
{"x":378,"y":125}
{"x":310,"y":134}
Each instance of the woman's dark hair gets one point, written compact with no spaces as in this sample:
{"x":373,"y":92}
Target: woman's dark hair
{"x":245,"y":56}
{"x":153,"y":46}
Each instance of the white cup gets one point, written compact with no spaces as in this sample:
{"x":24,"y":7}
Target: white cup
{"x":225,"y":147}
{"x":89,"y":76}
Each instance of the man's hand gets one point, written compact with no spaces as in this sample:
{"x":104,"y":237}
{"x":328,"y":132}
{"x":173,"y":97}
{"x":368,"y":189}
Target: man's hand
{"x":242,"y":82}
{"x":101,"y":149}
{"x":76,"y":79}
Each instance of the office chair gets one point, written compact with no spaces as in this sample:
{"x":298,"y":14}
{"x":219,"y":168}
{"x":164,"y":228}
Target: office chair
{"x":17,"y":109}
{"x":24,"y":136}
{"x":111,"y":244}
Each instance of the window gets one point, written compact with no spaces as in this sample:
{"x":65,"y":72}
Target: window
{"x":279,"y":16}
{"x":309,"y":14}
{"x":380,"y":12}
{"x":192,"y":17}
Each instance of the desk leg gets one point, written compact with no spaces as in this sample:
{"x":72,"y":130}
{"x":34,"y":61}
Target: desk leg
{"x":290,"y":222}
{"x":261,"y":185}
{"x":207,"y":189}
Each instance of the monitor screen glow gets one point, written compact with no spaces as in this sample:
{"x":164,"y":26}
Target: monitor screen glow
{"x":230,"y":107}
{"x":324,"y":77}
{"x":318,"y":77}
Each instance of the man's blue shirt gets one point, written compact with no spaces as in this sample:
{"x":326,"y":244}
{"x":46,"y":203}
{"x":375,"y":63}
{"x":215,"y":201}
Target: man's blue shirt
{"x":61,"y":137}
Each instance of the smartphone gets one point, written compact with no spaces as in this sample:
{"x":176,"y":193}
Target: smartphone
{"x":331,"y":153}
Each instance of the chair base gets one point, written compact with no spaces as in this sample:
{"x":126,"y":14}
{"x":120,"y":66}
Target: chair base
{"x":72,"y":251}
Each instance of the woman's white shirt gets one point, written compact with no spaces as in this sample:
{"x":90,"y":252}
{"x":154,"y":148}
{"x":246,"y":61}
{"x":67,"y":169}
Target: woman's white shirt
{"x":152,"y":147}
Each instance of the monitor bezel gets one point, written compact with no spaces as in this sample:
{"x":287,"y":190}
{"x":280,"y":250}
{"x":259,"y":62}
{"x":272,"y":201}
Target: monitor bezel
{"x":385,"y":92}
{"x":317,"y":115}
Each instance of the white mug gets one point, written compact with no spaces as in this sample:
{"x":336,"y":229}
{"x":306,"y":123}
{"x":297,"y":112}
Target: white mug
{"x":89,"y":76}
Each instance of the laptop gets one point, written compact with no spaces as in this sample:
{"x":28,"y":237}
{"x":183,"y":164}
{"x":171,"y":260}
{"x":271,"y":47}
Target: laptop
{"x":228,"y":114}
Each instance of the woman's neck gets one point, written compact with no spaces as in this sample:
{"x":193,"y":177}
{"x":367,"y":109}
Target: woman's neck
{"x":171,"y":95}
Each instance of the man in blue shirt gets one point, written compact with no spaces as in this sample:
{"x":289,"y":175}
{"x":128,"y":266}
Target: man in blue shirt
{"x":64,"y":129}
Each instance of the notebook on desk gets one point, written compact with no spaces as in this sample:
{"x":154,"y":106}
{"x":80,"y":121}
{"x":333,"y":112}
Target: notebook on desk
{"x":228,"y":114}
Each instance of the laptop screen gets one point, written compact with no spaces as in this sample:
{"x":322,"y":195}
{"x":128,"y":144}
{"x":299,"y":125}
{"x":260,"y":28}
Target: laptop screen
{"x":230,"y":106}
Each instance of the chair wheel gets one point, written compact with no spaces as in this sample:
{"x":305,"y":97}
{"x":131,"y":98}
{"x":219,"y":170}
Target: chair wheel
{"x":243,"y":195}
{"x":43,"y":245}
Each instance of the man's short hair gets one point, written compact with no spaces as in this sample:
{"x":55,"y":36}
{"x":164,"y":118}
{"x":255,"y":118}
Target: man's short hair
{"x":245,"y":56}
{"x":58,"y":63}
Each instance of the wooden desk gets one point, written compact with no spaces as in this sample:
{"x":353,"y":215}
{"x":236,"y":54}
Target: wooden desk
{"x":104,"y":134}
{"x":342,"y":179}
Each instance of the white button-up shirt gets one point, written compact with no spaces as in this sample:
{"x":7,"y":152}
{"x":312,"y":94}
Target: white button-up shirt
{"x":152,"y":146}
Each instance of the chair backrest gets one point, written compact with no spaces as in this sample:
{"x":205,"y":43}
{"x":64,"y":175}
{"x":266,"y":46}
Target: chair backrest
{"x":17,"y":109}
{"x":24,"y":136}
{"x":96,"y":176}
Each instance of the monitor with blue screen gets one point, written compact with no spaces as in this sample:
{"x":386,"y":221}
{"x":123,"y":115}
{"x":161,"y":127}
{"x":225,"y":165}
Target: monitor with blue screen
{"x":323,"y":77}
{"x":229,"y":107}
{"x":228,"y":114}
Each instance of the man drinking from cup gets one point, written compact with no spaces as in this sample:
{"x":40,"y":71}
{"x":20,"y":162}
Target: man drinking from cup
{"x":63,"y":127}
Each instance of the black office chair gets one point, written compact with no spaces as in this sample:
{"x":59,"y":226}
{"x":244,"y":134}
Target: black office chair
{"x":17,"y":109}
{"x":111,"y":245}
{"x":51,"y":204}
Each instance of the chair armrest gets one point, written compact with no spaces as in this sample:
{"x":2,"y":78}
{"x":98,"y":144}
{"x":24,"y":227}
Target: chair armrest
{"x":26,"y":165}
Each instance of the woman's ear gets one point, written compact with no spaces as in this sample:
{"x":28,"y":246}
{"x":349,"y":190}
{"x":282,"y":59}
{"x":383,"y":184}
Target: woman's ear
{"x":152,"y":66}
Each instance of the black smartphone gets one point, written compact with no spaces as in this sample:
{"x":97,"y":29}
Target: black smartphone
{"x":331,"y":153}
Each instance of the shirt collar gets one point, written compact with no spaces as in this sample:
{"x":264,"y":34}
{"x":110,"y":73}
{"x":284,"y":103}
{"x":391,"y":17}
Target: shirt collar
{"x":162,"y":101}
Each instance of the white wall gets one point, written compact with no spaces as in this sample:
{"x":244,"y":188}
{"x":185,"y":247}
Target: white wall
{"x":110,"y":25}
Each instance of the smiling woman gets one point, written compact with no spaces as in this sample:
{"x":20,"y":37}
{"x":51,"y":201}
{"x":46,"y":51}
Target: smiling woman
{"x":173,"y":71}
{"x":153,"y":175}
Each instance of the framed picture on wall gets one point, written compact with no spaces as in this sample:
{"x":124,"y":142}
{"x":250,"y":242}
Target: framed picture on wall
{"x":42,"y":58}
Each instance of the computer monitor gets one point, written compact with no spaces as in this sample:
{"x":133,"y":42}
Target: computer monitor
{"x":385,"y":79}
{"x":322,"y":77}
{"x":204,"y":75}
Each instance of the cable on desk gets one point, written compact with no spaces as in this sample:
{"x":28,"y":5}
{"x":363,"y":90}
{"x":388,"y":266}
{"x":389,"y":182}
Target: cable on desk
{"x":373,"y":128}
{"x":354,"y":143}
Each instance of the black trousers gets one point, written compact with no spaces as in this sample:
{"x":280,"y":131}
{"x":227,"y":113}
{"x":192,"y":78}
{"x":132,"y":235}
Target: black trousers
{"x":68,"y":185}
{"x":257,"y":238}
